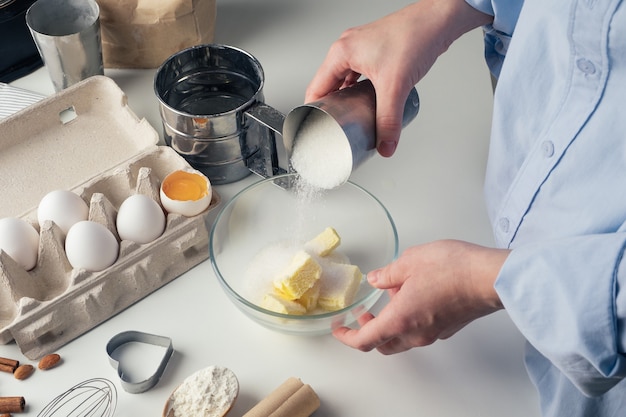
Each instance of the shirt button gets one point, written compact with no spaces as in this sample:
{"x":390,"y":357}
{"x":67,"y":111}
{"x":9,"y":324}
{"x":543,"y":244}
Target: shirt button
{"x":503,"y":224}
{"x":586,"y":66}
{"x":547,"y":148}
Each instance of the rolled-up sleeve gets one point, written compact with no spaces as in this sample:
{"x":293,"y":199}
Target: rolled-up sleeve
{"x":505,"y":12}
{"x":498,"y":34}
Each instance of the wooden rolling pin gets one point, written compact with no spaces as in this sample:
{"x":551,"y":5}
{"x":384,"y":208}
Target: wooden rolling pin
{"x":291,"y":399}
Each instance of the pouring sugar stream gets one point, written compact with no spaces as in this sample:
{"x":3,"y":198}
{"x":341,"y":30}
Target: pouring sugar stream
{"x":284,"y":283}
{"x":326,"y":139}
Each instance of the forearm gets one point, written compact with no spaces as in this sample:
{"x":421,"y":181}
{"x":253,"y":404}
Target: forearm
{"x":431,"y":26}
{"x":453,"y":18}
{"x":484,"y":267}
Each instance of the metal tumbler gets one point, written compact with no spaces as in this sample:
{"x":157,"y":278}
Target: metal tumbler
{"x":67,"y":35}
{"x":347,"y":138}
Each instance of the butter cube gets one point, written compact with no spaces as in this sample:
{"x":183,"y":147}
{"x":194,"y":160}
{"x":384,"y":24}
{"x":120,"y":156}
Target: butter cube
{"x":278,"y":304}
{"x":324,"y":243}
{"x":339,"y":284}
{"x":309,"y":299}
{"x":299,"y":276}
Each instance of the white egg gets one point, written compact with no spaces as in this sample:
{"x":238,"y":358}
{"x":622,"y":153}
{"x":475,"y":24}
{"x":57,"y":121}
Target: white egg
{"x":91,"y":246}
{"x":20,"y":240}
{"x":187,"y":193}
{"x":140,"y":219}
{"x":63,"y":207}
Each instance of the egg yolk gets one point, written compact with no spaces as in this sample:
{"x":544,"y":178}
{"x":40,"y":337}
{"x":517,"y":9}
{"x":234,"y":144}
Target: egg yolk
{"x":185,"y":186}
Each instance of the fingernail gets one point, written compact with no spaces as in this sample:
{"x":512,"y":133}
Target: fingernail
{"x":372,"y":277}
{"x":387,"y":148}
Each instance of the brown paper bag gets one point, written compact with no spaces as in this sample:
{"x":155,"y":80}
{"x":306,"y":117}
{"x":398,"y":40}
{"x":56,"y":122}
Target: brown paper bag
{"x":144,"y":33}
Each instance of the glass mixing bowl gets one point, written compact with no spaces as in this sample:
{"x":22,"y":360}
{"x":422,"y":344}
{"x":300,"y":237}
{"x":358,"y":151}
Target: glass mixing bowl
{"x":274,"y":210}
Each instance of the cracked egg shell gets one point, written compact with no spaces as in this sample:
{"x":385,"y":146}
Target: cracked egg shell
{"x":185,"y":192}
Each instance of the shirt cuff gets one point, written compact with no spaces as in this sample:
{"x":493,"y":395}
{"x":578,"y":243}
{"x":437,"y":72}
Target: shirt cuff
{"x":562,"y":296}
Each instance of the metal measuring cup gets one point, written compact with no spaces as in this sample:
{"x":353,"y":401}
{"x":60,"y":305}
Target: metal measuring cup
{"x":349,"y":115}
{"x":213,"y":113}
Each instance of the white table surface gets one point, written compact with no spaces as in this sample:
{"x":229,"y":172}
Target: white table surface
{"x":433,"y":189}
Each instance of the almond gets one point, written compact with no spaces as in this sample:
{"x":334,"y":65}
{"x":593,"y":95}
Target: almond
{"x":23,"y":371}
{"x":49,"y":361}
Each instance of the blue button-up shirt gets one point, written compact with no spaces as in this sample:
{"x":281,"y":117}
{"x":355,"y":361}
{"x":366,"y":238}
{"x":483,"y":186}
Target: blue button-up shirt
{"x":556,"y":193}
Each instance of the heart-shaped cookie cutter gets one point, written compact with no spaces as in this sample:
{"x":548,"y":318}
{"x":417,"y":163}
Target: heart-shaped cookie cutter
{"x":136,"y":387}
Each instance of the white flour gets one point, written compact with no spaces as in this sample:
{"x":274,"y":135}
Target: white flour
{"x":321,"y":154}
{"x":209,"y":392}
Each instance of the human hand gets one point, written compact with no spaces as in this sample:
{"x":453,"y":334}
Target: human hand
{"x":435,"y":290}
{"x":394,"y":53}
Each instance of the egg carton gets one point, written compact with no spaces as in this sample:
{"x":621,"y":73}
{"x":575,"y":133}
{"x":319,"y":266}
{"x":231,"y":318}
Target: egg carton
{"x":52,"y":304}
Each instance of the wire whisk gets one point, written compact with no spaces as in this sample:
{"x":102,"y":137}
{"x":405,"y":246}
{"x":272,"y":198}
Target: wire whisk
{"x":96,"y":397}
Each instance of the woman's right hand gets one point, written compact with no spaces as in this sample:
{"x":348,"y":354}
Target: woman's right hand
{"x":394,"y":53}
{"x":435,"y":290}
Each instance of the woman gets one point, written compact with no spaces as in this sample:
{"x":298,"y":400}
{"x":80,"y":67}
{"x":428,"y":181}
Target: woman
{"x":555,"y":189}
